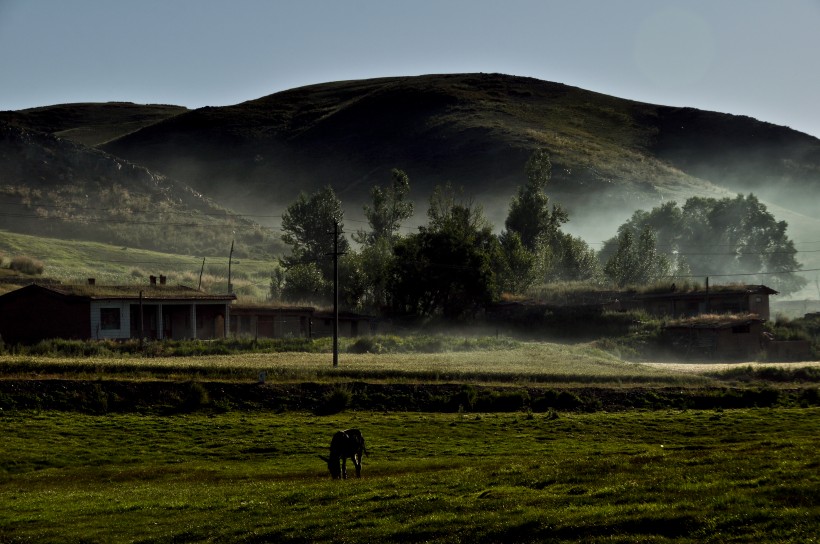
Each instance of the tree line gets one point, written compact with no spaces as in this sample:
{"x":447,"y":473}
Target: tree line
{"x":455,"y":264}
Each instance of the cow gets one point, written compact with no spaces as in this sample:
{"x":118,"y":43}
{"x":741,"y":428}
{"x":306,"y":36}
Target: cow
{"x":345,"y":445}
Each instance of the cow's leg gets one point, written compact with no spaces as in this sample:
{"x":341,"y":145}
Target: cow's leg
{"x":357,"y":460}
{"x":344,"y":468}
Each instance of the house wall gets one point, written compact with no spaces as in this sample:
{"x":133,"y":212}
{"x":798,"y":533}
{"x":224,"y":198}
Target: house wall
{"x":269,"y":323}
{"x":102,"y":325}
{"x":173,"y":320}
{"x":739,"y":342}
{"x":742,"y":341}
{"x":759,"y":304}
{"x":33,"y":314}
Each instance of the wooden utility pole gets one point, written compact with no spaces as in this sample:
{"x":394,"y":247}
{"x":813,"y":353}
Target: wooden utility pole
{"x":230,"y":258}
{"x":142,"y":323}
{"x":335,"y":294}
{"x":201,"y":270}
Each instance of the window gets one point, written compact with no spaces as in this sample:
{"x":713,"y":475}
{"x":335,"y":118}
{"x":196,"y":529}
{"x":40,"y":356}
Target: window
{"x":110,"y":319}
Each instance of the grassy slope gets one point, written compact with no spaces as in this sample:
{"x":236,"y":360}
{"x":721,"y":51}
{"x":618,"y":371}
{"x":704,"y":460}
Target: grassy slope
{"x":57,"y":188}
{"x":75,"y":261}
{"x":91,"y":124}
{"x":474,"y":130}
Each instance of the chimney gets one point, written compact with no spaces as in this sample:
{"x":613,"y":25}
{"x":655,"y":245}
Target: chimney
{"x":153,"y":280}
{"x":162,"y":279}
{"x":91,"y":281}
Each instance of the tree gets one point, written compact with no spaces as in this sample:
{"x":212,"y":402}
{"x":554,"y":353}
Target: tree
{"x":556,"y":256}
{"x":304,"y":283}
{"x":721,"y":237}
{"x":449,"y":266}
{"x":385,"y":216}
{"x":530,"y":215}
{"x":308,"y":226}
{"x":389,"y":209}
{"x":518,"y":268}
{"x":637,"y":263}
{"x":573,"y":260}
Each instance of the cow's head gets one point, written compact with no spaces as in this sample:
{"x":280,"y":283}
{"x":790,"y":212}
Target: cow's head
{"x":332,"y":466}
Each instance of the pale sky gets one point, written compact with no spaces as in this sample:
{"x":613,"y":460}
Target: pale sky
{"x":759,"y":58}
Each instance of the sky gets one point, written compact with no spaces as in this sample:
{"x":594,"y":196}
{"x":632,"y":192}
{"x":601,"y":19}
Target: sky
{"x":759,"y":58}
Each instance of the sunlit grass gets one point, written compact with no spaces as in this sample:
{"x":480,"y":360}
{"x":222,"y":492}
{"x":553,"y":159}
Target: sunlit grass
{"x":533,"y":361}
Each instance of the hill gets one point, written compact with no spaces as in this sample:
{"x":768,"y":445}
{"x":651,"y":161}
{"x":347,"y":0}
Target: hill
{"x":56,"y":188}
{"x":610,"y":156}
{"x":90,"y":124}
{"x":474,"y":130}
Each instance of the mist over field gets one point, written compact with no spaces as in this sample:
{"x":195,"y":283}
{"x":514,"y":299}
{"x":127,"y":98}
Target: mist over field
{"x":610,"y":157}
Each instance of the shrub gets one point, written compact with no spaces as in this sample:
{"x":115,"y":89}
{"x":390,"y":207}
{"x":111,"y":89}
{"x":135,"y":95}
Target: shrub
{"x":27,"y":265}
{"x":196,"y":396}
{"x":334,"y":402}
{"x":503,"y":401}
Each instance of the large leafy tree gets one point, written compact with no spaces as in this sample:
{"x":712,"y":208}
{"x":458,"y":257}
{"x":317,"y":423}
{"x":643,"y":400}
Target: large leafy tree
{"x":734,"y":238}
{"x":308,"y":227}
{"x":449,"y":266}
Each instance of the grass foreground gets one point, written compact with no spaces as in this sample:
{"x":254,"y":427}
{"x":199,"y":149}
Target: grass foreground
{"x":651,"y":476}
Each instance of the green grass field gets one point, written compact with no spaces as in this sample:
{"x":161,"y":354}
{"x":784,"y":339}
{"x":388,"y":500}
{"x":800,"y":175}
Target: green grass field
{"x":214,"y":472}
{"x":640,"y":476}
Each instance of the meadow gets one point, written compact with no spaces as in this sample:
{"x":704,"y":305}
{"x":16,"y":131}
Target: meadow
{"x":694,"y":454}
{"x":641,"y":476}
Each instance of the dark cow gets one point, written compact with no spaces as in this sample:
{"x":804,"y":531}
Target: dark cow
{"x":345,"y":445}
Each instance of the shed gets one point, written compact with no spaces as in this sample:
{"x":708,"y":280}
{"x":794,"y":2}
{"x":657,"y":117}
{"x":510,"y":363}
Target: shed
{"x":721,"y":337}
{"x":723,"y":299}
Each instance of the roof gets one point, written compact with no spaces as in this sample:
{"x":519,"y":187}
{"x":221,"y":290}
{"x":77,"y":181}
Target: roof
{"x":717,"y":290}
{"x":126,"y":292}
{"x":263,"y":309}
{"x":714,"y":321}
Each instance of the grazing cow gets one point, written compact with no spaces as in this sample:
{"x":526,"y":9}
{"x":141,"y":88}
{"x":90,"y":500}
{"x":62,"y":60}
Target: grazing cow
{"x":345,"y":445}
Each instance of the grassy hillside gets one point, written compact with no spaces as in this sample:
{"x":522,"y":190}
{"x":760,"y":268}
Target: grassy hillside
{"x":90,"y":124}
{"x":475,"y":130}
{"x":76,"y":261}
{"x":56,"y":188}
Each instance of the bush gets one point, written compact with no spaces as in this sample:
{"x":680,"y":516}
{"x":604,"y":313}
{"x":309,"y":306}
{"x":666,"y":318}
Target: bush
{"x":27,"y":265}
{"x":196,"y":396}
{"x":334,"y":402}
{"x":503,"y":401}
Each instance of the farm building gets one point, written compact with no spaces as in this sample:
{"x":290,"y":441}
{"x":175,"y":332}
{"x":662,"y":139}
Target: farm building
{"x":717,"y":337}
{"x":725,"y":299}
{"x":38,"y":312}
{"x":299,"y":322}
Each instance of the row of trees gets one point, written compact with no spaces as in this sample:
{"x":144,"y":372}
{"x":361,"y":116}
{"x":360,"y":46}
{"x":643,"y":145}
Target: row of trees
{"x":455,"y":264}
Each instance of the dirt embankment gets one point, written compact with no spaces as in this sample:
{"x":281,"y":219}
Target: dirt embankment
{"x":104,"y":396}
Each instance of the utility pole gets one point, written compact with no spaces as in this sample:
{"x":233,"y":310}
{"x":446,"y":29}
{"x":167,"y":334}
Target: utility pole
{"x":230,"y":258}
{"x":335,"y":294}
{"x":227,"y":331}
{"x":201,"y":270}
